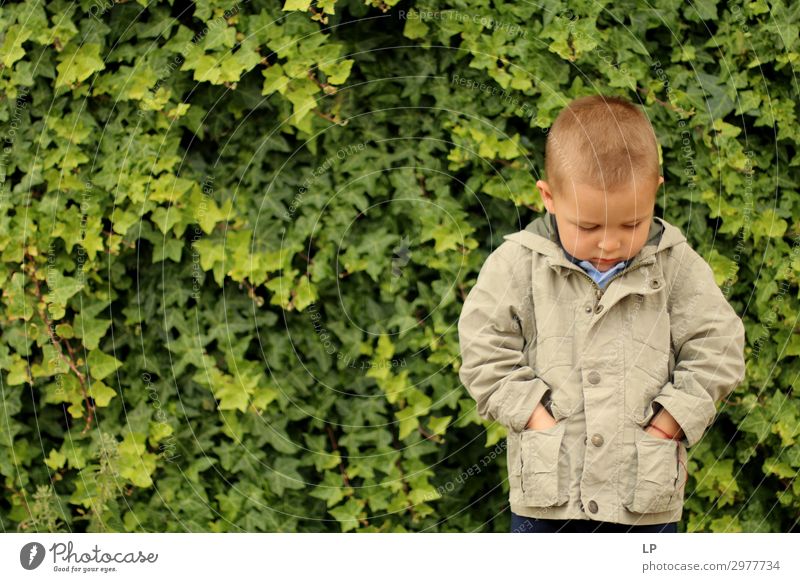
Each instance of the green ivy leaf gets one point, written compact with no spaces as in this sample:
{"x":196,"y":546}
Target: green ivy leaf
{"x":723,"y":267}
{"x":136,"y":464}
{"x":349,"y":513}
{"x":101,"y":394}
{"x":716,"y":481}
{"x":306,"y":293}
{"x":90,"y":329}
{"x":20,"y":304}
{"x":18,"y":374}
{"x":296,"y":5}
{"x":408,"y":422}
{"x":101,"y":364}
{"x":438,"y":425}
{"x":274,"y":80}
{"x":12,"y":50}
{"x":331,"y":489}
{"x":414,"y":27}
{"x":61,"y":289}
{"x":768,"y":224}
{"x":77,"y":63}
{"x":55,"y":460}
{"x":337,"y":71}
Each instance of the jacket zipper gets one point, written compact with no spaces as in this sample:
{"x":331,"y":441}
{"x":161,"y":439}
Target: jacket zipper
{"x":598,"y":291}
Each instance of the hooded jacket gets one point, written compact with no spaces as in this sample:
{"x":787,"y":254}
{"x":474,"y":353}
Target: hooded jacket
{"x":536,"y":328}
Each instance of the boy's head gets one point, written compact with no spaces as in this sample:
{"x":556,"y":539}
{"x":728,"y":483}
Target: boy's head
{"x":601,"y":161}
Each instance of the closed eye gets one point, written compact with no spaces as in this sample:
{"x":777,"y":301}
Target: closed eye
{"x":588,"y":228}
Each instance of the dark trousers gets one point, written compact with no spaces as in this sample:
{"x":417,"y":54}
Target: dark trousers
{"x":521,"y":524}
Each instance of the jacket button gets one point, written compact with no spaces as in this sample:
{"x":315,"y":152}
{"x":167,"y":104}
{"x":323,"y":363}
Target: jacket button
{"x":598,"y":309}
{"x":588,"y":309}
{"x":594,"y":377}
{"x":593,"y":507}
{"x":597,"y":440}
{"x":655,"y":283}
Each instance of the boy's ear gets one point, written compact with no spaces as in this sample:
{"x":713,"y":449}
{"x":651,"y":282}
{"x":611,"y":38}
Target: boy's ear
{"x":660,"y":180}
{"x":547,"y":195}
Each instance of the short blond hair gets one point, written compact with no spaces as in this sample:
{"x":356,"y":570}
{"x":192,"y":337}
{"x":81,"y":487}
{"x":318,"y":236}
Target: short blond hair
{"x":603,"y":141}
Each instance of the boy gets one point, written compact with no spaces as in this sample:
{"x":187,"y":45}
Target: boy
{"x":598,"y":337}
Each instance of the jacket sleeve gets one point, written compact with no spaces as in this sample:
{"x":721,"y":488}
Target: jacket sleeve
{"x":708,"y":340}
{"x":492,"y":330}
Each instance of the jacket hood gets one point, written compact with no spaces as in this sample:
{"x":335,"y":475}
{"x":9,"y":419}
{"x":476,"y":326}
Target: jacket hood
{"x":541,"y":236}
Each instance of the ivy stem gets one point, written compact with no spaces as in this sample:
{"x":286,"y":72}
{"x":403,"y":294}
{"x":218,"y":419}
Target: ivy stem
{"x":328,"y":117}
{"x":429,"y":436}
{"x":645,"y":91}
{"x":335,"y":446}
{"x":324,"y":86}
{"x":57,"y":343}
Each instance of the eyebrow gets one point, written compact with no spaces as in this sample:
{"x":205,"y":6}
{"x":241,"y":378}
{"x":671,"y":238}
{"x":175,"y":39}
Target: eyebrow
{"x":590,"y":224}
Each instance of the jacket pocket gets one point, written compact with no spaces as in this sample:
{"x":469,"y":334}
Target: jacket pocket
{"x":656,"y":486}
{"x":543,"y":485}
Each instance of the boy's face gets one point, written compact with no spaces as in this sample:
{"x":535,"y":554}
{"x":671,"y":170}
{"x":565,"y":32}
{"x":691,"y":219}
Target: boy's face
{"x":594,"y":224}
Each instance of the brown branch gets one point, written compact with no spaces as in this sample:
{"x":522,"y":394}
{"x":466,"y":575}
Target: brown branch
{"x":335,"y":446}
{"x":646,"y":91}
{"x":428,"y":436}
{"x":421,"y":182}
{"x":70,"y":361}
{"x":321,"y":16}
{"x":328,"y":117}
{"x":462,"y":291}
{"x":505,"y":163}
{"x":53,"y":338}
{"x":326,"y":88}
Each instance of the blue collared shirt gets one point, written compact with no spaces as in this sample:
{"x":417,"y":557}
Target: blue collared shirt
{"x":601,"y":277}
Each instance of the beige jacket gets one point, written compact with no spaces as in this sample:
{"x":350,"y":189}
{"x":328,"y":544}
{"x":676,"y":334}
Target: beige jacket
{"x":535,"y":327}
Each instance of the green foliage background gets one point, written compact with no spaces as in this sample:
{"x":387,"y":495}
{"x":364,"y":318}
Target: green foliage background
{"x":235,"y":246}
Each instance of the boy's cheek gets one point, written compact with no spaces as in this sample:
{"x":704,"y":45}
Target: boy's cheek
{"x":572,"y":241}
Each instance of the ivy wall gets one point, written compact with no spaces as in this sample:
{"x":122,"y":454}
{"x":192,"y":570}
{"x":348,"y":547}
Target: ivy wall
{"x":235,"y":239}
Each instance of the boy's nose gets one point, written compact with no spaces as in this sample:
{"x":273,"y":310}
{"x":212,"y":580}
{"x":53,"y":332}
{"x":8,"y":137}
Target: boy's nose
{"x":608,"y":247}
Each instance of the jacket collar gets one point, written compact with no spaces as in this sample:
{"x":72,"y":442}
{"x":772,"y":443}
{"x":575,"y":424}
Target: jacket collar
{"x":541,"y":236}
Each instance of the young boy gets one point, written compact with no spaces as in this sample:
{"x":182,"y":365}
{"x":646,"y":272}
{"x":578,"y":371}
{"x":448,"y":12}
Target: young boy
{"x":598,"y":337}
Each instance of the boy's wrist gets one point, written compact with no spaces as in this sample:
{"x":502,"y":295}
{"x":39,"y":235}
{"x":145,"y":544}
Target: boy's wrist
{"x":665,"y":422}
{"x":663,"y":433}
{"x":538,"y":415}
{"x":540,"y":411}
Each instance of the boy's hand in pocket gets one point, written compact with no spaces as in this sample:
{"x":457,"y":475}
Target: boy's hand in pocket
{"x":540,"y":419}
